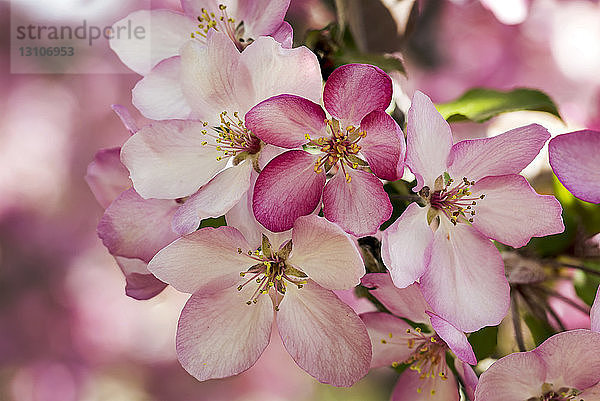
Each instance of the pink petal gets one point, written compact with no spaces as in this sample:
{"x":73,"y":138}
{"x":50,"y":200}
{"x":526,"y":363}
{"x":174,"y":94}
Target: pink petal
{"x":242,"y":217}
{"x":134,"y":227}
{"x":354,"y":90}
{"x":140,"y":283}
{"x":464,"y":282}
{"x":507,"y":153}
{"x":165,"y":32}
{"x":188,"y":264}
{"x":274,"y":70}
{"x":324,"y":335}
{"x":123,"y":113}
{"x":106,"y":176}
{"x":525,"y":372}
{"x":428,"y":141}
{"x":208,"y":77}
{"x":384,"y":146}
{"x":387,"y":335}
{"x":468,"y":376}
{"x":411,"y":386}
{"x":285,"y":120}
{"x":591,"y":393}
{"x":284,"y":34}
{"x":595,"y":313}
{"x":167,"y":159}
{"x":325,"y":253}
{"x":564,"y":353}
{"x":159,"y":95}
{"x":403,"y":302}
{"x":575,"y":161}
{"x":213,"y":199}
{"x":509,"y":201}
{"x":286,"y":189}
{"x":262,"y":17}
{"x":405,"y":245}
{"x":219,"y":335}
{"x":454,"y":338}
{"x":359,"y":206}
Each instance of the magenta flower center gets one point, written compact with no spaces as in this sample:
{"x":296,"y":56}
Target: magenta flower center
{"x":271,"y":274}
{"x":341,"y":146}
{"x":222,"y":23}
{"x":456,"y":202}
{"x":428,"y":358}
{"x":232,"y":137}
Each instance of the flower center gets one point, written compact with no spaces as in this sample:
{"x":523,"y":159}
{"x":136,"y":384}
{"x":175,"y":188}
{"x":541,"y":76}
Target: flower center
{"x":232,"y":138}
{"x":341,"y":146}
{"x":222,"y":23}
{"x":455,"y":201}
{"x":561,"y":394}
{"x":428,"y":358}
{"x":271,"y":274}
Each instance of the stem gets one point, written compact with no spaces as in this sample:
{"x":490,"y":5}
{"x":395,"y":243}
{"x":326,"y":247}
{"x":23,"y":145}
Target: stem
{"x":578,"y":267}
{"x":556,"y":318}
{"x":516,"y":318}
{"x":412,"y":198}
{"x":552,"y":293}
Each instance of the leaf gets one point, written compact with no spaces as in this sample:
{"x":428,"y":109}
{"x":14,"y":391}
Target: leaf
{"x":386,"y":62}
{"x":213,"y":222}
{"x":484,"y":342}
{"x":586,"y":284}
{"x":540,"y":331}
{"x":481,"y":104}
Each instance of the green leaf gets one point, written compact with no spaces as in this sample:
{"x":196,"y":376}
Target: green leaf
{"x":586,"y":284}
{"x":399,"y":193}
{"x":213,"y":222}
{"x":540,"y":331}
{"x":388,"y":63}
{"x":481,"y":104}
{"x":484,"y":342}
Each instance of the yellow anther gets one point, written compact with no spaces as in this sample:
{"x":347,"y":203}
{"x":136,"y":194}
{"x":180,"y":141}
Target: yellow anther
{"x":383,"y":341}
{"x":395,"y":364}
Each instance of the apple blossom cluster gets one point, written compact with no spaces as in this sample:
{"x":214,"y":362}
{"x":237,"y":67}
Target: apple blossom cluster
{"x":242,"y":126}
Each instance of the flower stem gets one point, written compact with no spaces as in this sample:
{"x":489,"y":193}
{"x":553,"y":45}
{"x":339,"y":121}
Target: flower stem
{"x":516,"y":318}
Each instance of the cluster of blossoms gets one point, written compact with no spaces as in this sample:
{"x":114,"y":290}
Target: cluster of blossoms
{"x":238,"y":130}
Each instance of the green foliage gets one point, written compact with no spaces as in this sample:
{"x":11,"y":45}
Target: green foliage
{"x":400,"y":194}
{"x":540,"y":330}
{"x":213,"y":222}
{"x":586,"y":284}
{"x":481,"y":104}
{"x":484,"y":342}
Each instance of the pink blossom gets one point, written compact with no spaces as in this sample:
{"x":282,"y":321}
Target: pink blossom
{"x":575,"y":159}
{"x":358,"y":134}
{"x":595,"y":313}
{"x":242,"y":21}
{"x":395,"y":342}
{"x":472,"y":193}
{"x":187,"y":158}
{"x":564,"y":367}
{"x":226,"y":324}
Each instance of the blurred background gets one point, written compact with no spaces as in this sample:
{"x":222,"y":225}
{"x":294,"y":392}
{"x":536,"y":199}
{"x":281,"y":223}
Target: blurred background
{"x":67,"y":330}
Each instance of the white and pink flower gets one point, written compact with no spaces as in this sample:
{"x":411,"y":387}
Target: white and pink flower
{"x":472,"y":192}
{"x":575,"y":159}
{"x":240,"y":288}
{"x":396,"y":343}
{"x":358,"y":144}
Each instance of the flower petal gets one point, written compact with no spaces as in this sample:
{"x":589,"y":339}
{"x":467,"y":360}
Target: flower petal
{"x":106,"y":176}
{"x":384,"y":146}
{"x":324,"y":335}
{"x":188,"y":264}
{"x":464,"y":282}
{"x":574,"y":159}
{"x":405,"y":245}
{"x":354,"y":90}
{"x":213,"y":199}
{"x":284,"y":34}
{"x":591,"y":393}
{"x":456,"y":339}
{"x":158,"y":95}
{"x":165,"y":32}
{"x":563,"y":354}
{"x":525,"y":372}
{"x":595,"y":313}
{"x":261,"y":17}
{"x":507,"y":153}
{"x":325,"y":253}
{"x":140,"y":284}
{"x":134,"y":227}
{"x":385,"y":330}
{"x":274,"y":70}
{"x":125,"y":116}
{"x":359,"y":206}
{"x":509,"y":201}
{"x":167,"y":159}
{"x":286,"y":189}
{"x":285,"y":120}
{"x":218,"y":335}
{"x":468,"y":377}
{"x":411,"y":386}
{"x":428,"y":141}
